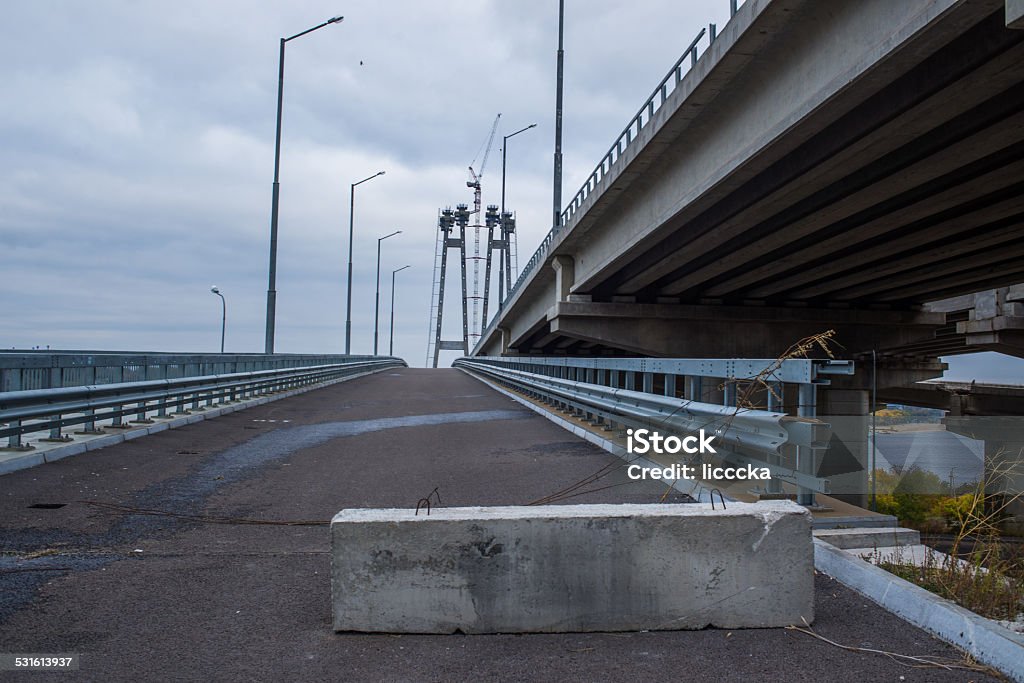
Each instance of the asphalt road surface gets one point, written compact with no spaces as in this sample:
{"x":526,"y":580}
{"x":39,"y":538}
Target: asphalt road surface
{"x":193,"y":593}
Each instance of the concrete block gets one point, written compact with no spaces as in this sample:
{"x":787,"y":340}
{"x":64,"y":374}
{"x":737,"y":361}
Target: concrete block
{"x":874,"y":537}
{"x":136,"y":433}
{"x":104,"y":441}
{"x":12,"y":462}
{"x":65,"y":451}
{"x":572,"y":568}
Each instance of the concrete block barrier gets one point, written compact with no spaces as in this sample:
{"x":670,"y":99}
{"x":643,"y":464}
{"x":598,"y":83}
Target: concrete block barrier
{"x":572,"y":568}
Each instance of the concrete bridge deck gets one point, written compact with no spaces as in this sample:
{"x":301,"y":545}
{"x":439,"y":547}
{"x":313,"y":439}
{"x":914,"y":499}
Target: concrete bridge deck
{"x":156,"y":597}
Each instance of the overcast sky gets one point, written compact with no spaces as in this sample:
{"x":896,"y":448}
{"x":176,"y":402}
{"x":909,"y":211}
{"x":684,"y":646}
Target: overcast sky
{"x":137,"y":148}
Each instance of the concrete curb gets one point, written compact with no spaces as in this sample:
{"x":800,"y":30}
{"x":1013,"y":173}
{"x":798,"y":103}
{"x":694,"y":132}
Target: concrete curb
{"x":26,"y":459}
{"x":983,"y":639}
{"x":701,"y":496}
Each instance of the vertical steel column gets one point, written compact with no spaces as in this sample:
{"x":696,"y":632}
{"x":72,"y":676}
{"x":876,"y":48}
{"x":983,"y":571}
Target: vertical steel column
{"x":670,"y":385}
{"x":693,"y":388}
{"x":729,"y":392}
{"x":775,"y":395}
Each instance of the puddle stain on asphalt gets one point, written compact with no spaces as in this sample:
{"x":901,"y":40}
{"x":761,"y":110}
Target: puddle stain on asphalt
{"x":21,"y":577}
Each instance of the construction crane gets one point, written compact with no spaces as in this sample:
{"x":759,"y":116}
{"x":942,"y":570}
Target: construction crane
{"x":474,"y":177}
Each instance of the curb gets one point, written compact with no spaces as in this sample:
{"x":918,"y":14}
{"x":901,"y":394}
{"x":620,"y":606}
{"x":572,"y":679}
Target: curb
{"x":983,"y":639}
{"x":34,"y":458}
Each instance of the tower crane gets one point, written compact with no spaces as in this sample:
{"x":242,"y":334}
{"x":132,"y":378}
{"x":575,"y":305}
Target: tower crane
{"x":474,"y":177}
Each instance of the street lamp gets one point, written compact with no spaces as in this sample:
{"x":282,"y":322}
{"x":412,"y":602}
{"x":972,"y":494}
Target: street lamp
{"x":376,"y":304}
{"x":272,"y":276}
{"x":391,"y":337}
{"x":351,"y":220}
{"x":507,"y":258}
{"x":223,"y":315}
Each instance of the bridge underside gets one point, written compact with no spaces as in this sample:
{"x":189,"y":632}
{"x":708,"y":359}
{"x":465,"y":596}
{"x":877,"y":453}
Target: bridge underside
{"x":904,"y":185}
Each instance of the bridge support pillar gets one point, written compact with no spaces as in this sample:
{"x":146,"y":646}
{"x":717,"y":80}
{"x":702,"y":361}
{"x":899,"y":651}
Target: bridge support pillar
{"x":506,"y":339}
{"x":565,"y":276}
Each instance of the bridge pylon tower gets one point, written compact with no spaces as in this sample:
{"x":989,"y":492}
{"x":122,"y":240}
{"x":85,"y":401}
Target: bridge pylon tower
{"x":451,"y":234}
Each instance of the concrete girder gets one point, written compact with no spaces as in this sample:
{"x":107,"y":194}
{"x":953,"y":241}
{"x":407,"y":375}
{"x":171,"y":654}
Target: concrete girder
{"x":959,"y":398}
{"x":1012,"y":247}
{"x":696,"y":331}
{"x":1002,"y":222}
{"x":936,"y":183}
{"x":1001,"y":272}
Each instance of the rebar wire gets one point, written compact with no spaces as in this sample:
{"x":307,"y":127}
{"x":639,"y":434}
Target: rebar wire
{"x":911,"y":661}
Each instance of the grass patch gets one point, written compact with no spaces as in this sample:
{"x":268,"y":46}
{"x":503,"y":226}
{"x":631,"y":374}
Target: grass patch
{"x":981,"y":571}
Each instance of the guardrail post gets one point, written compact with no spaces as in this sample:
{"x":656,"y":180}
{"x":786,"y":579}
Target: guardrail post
{"x":648,"y":383}
{"x":670,"y":385}
{"x":14,"y":440}
{"x":775,"y":394}
{"x":729,"y":392}
{"x":693,"y":388}
{"x":55,"y":433}
{"x":89,"y":427}
{"x":140,"y":417}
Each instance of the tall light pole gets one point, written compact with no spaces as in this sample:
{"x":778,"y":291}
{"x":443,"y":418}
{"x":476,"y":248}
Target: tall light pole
{"x":507,"y":258}
{"x":272,"y":276}
{"x":557,"y":193}
{"x":376,"y":304}
{"x":223,"y":315}
{"x":391,"y":336}
{"x":351,"y":226}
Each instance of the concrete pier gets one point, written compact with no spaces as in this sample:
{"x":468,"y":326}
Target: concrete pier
{"x":572,"y":568}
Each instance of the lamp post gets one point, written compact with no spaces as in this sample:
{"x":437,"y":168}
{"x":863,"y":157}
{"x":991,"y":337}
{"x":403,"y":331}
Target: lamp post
{"x":272,"y":275}
{"x":507,"y":258}
{"x":376,"y":303}
{"x":391,"y":336}
{"x":557,"y":180}
{"x":223,"y":314}
{"x":351,"y":224}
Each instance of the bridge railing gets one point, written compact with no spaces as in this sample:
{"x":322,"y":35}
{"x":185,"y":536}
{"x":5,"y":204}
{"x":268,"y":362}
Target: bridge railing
{"x":39,"y":410}
{"x":667,"y":395}
{"x":23,"y":370}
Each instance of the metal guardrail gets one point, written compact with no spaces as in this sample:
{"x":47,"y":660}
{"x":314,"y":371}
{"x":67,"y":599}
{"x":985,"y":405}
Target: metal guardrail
{"x":37,"y":410}
{"x":625,"y":392}
{"x":23,"y":370}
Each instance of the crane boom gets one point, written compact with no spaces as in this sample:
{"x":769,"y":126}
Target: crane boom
{"x":474,"y":181}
